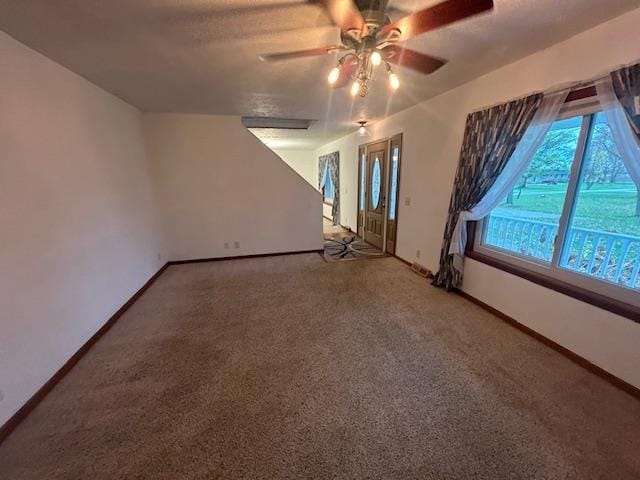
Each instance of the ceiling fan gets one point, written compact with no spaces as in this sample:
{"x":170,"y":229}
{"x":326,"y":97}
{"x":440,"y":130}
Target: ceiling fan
{"x":369,"y":39}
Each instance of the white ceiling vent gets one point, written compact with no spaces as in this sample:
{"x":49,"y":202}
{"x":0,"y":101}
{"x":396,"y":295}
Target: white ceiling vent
{"x":278,"y":123}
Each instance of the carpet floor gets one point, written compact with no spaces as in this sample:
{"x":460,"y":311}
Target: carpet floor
{"x":294,"y":368}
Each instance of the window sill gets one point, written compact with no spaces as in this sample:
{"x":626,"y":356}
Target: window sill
{"x":601,"y":301}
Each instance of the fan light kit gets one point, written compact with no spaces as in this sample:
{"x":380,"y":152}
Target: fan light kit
{"x":364,"y":71}
{"x":369,"y":39}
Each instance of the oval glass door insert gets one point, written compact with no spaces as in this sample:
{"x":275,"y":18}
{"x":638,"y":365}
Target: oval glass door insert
{"x":375,"y":183}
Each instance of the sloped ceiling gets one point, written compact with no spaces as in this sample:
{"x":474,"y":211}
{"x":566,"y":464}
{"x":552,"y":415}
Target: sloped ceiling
{"x":201,"y":56}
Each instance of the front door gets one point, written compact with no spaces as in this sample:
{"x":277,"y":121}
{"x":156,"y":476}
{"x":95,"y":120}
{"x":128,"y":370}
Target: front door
{"x":375,"y":209}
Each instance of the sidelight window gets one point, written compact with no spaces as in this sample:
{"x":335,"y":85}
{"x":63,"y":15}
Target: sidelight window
{"x":393,"y":188}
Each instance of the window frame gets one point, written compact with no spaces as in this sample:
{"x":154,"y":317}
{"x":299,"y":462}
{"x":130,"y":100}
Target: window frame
{"x":614,"y":298}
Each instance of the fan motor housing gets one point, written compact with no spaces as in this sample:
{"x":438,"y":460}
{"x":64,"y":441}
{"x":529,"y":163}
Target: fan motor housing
{"x":364,"y":5}
{"x":374,"y":13}
{"x":375,"y":19}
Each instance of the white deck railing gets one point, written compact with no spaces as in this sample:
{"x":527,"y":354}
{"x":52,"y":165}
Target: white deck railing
{"x":609,"y":256}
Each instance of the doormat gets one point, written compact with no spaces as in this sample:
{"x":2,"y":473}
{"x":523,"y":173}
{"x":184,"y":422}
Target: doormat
{"x":349,"y":247}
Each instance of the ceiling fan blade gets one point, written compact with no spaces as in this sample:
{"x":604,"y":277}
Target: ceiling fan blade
{"x":417,"y":61}
{"x":396,"y":12}
{"x":312,"y":52}
{"x":437,"y":16}
{"x":345,"y":15}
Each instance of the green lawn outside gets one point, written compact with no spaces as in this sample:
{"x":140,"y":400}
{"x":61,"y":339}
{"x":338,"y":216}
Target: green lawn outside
{"x":605,"y":207}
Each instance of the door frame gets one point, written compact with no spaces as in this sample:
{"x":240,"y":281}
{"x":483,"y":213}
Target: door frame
{"x":363,"y":149}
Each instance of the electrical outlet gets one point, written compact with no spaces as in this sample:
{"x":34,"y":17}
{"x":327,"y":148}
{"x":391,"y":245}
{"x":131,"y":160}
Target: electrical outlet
{"x":407,"y":201}
{"x":226,"y":245}
{"x":417,"y":253}
{"x":1,"y":396}
{"x":236,"y":244}
{"x":159,"y":256}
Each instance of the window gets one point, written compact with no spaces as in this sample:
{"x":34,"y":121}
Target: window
{"x":393,"y":193}
{"x":603,"y":237}
{"x":363,"y":178}
{"x":574,"y":215}
{"x":375,"y":184}
{"x":527,"y":222}
{"x":327,"y":186}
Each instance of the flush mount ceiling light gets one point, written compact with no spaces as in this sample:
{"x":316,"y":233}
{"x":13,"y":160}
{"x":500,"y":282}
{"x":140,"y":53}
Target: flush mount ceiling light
{"x":370,"y":39}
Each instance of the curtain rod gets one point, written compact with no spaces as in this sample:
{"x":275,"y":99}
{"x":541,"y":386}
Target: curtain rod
{"x":588,"y":83}
{"x":575,"y":85}
{"x":556,"y":89}
{"x":568,"y":85}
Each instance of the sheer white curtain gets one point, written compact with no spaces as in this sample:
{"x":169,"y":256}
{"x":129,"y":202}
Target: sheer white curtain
{"x":518,"y":163}
{"x":624,"y":138}
{"x":325,"y":174}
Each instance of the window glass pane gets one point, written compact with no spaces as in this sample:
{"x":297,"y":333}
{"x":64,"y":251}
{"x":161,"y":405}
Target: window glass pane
{"x":526,"y":222}
{"x":363,"y":176}
{"x":394,"y":183}
{"x":328,"y":189}
{"x":328,"y":185}
{"x":603,"y":237}
{"x":375,"y":183}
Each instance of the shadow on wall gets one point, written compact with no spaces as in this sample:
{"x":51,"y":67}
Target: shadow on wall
{"x":224,"y":193}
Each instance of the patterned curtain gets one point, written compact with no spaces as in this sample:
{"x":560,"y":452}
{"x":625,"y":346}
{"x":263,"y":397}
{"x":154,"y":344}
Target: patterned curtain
{"x":322,"y":163}
{"x":490,"y":138}
{"x":332,"y":160}
{"x":626,"y":83}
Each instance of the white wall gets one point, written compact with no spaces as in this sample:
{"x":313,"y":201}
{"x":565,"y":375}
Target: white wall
{"x":219,"y":184}
{"x":327,"y":212}
{"x":432,"y":135}
{"x":304,"y":162}
{"x":78,"y":229}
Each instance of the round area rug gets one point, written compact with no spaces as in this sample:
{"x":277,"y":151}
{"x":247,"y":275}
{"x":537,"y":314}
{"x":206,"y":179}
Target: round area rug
{"x":349,"y":248}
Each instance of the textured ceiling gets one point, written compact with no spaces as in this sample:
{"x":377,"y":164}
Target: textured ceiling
{"x":201,"y":56}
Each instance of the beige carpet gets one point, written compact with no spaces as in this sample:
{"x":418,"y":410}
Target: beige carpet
{"x":294,"y":368}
